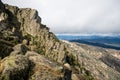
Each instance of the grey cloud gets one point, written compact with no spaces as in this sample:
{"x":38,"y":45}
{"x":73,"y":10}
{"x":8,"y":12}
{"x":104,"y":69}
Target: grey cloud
{"x":76,"y":16}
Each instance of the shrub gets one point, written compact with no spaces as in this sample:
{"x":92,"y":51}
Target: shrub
{"x":41,"y":51}
{"x":71,"y":60}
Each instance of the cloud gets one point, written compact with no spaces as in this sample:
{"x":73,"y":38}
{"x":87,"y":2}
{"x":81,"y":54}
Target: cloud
{"x":76,"y":16}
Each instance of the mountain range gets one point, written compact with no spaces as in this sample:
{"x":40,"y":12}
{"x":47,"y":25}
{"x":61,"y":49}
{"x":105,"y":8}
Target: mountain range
{"x":101,"y":40}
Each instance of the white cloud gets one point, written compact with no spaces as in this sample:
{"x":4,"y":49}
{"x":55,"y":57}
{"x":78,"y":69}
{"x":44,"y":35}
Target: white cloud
{"x":78,"y":16}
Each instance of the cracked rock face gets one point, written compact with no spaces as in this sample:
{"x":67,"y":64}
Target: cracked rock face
{"x":21,"y":30}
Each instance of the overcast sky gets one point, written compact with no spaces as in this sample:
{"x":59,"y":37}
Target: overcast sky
{"x":76,"y":16}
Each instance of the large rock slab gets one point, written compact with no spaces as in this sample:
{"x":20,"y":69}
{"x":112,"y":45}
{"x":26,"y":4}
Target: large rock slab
{"x":44,"y":69}
{"x":14,"y":68}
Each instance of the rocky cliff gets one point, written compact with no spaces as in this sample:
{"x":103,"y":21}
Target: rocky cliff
{"x":28,"y":51}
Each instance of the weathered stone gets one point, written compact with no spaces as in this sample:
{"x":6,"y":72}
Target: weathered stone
{"x":67,"y":66}
{"x":5,"y":48}
{"x":15,"y":68}
{"x":1,"y":67}
{"x":74,"y":77}
{"x":43,"y":68}
{"x":3,"y":20}
{"x":25,"y":42}
{"x":68,"y":72}
{"x":19,"y":49}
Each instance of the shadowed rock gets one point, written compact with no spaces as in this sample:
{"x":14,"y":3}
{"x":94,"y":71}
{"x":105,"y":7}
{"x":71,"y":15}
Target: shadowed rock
{"x":19,"y":49}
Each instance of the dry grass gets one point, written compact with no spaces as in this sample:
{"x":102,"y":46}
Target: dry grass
{"x":46,"y":69}
{"x":44,"y":72}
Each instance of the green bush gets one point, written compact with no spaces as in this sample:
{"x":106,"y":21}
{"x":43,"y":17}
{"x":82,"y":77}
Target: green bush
{"x":41,"y":51}
{"x":71,"y":60}
{"x":28,"y":37}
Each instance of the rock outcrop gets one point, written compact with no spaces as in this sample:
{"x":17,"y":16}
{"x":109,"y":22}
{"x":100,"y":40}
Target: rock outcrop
{"x":21,"y":30}
{"x":28,"y":51}
{"x":102,"y":62}
{"x":15,"y":68}
{"x":44,"y":69}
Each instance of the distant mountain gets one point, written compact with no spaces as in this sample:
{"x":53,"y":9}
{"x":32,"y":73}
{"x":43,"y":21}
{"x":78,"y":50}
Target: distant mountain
{"x":105,"y":41}
{"x":97,"y":44}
